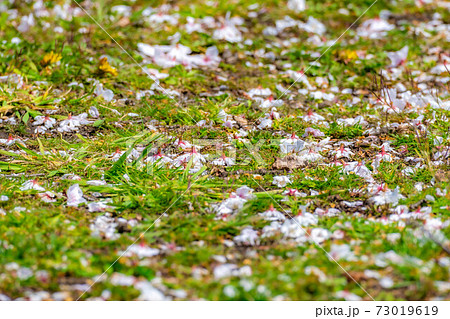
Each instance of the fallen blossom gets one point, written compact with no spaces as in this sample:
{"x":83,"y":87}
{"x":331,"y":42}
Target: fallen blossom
{"x":31,"y":185}
{"x":75,"y":196}
{"x":281,"y":181}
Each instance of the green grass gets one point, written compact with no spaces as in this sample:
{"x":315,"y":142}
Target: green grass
{"x":193,"y":241}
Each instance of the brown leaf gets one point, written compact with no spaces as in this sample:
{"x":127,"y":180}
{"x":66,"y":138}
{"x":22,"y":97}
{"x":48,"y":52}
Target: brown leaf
{"x":289,"y":162}
{"x":442,"y":176}
{"x":123,"y":22}
{"x":240,"y":120}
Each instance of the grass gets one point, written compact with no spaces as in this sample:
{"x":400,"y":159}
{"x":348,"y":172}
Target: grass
{"x":173,"y":209}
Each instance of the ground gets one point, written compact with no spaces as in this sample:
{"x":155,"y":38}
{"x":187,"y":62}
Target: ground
{"x":224,"y":150}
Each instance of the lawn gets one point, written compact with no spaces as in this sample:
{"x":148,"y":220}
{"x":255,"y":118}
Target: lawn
{"x":224,"y":150}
